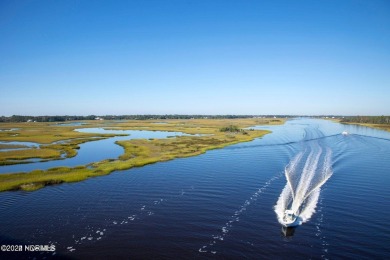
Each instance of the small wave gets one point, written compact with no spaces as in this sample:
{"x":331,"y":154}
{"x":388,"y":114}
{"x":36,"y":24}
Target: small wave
{"x":235,"y":218}
{"x":94,"y":234}
{"x":242,"y":146}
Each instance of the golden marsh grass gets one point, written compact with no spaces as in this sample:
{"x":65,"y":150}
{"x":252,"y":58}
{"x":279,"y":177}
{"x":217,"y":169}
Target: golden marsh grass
{"x":138,"y":152}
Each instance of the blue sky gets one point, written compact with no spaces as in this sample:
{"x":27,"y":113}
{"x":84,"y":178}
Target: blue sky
{"x":194,"y":57}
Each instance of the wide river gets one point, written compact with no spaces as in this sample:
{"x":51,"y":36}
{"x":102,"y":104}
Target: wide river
{"x":226,"y":203}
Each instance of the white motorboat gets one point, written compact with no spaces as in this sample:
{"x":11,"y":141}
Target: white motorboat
{"x":290,"y":219}
{"x":345,"y":133}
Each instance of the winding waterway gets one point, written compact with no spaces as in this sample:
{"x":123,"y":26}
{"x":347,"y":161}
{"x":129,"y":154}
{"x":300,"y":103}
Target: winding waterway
{"x":89,"y":152}
{"x":222,"y":204}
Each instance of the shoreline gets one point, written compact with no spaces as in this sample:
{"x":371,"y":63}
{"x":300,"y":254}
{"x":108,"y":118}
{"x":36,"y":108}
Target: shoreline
{"x":140,"y":152}
{"x":376,"y":126}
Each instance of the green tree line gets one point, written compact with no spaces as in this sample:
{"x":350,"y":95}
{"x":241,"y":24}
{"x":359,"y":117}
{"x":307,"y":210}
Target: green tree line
{"x":367,"y":119}
{"x":23,"y":118}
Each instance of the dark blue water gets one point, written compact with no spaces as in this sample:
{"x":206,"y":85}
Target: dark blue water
{"x":217,"y":205}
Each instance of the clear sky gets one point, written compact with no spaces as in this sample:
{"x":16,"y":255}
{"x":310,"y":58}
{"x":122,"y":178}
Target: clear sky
{"x":194,"y":57}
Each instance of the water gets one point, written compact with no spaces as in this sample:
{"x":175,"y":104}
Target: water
{"x":26,"y":145}
{"x":108,"y":149}
{"x":9,"y":130}
{"x":221,"y":204}
{"x":73,"y":124}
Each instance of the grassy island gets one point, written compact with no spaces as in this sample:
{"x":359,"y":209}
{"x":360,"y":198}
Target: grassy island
{"x":384,"y":127}
{"x":56,"y":141}
{"x":378,"y":122}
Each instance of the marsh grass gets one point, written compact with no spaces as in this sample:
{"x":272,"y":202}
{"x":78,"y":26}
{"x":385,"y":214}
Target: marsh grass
{"x":384,"y":127}
{"x":378,"y":126}
{"x":54,"y":141}
{"x":12,"y":146}
{"x":9,"y":157}
{"x":139,"y":152}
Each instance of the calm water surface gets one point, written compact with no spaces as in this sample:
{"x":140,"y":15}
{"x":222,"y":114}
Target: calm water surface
{"x":218,"y":205}
{"x":89,"y":152}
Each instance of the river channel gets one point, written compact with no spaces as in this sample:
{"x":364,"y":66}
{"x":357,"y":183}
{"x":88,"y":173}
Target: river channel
{"x":221,"y":204}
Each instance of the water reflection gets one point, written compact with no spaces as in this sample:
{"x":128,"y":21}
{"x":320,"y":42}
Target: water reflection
{"x":108,"y":149}
{"x":288,"y":231}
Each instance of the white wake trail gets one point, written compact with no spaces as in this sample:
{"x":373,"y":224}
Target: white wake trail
{"x":291,"y":168}
{"x":307,"y":179}
{"x":305,"y":175}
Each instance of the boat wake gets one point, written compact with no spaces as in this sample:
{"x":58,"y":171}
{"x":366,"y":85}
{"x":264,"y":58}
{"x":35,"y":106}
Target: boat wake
{"x":305,"y":174}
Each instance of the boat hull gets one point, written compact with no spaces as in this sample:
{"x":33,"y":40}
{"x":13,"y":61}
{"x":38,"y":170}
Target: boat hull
{"x":291,"y":224}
